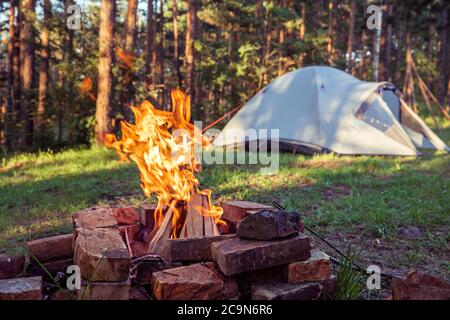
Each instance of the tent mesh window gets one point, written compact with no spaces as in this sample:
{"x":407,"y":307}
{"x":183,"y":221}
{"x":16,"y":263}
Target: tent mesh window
{"x":375,"y":112}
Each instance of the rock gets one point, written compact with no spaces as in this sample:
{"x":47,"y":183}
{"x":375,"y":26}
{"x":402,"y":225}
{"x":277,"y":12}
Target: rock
{"x":21,"y":289}
{"x":287,"y":291}
{"x":101,"y":218}
{"x":410,"y":232}
{"x":235,"y":256}
{"x":268,"y":225}
{"x":11,"y":265}
{"x":51,"y":248}
{"x":105,"y":290}
{"x":125,"y":215}
{"x":102,"y":255}
{"x":193,"y":249}
{"x":235,"y":211}
{"x":420,"y":286}
{"x":193,"y":282}
{"x":313,"y":269}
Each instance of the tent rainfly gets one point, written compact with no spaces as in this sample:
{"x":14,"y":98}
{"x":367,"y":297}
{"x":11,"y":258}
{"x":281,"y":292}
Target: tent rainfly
{"x":323,"y":109}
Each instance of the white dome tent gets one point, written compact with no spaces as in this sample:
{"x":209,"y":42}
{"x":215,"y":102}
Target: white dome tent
{"x":324,"y":109}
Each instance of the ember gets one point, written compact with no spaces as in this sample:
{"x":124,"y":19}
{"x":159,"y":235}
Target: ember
{"x":161,"y":143}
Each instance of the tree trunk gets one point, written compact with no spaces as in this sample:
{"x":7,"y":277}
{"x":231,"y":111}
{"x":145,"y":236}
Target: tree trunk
{"x":351,"y":27}
{"x":11,"y":96}
{"x":106,"y":37}
{"x":376,"y":54}
{"x":191,"y":20}
{"x":363,"y":42}
{"x":331,"y":33}
{"x":26,"y":74}
{"x":385,"y":43}
{"x":443,"y":26}
{"x":130,"y":27}
{"x":302,"y":31}
{"x":127,"y":93}
{"x":43,"y":71}
{"x":150,"y":41}
{"x":430,"y":53}
{"x":176,"y":52}
{"x":398,"y":60}
{"x":409,"y":85}
{"x":160,"y":63}
{"x":281,"y":36}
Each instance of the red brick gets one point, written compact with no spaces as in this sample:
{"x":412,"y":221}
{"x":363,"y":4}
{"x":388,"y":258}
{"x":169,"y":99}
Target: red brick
{"x":420,"y":286}
{"x":105,"y":290}
{"x":239,"y":255}
{"x":125,"y":215}
{"x":11,"y":266}
{"x":51,"y":248}
{"x":235,"y":211}
{"x":133,"y":231}
{"x":193,"y":282}
{"x":102,"y":255}
{"x":21,"y":289}
{"x":147,"y":215}
{"x":317,"y":267}
{"x":193,"y":249}
{"x":101,"y":218}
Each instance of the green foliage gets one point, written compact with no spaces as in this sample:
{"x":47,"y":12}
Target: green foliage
{"x":349,"y":282}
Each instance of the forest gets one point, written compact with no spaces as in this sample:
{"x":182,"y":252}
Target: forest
{"x":69,"y":70}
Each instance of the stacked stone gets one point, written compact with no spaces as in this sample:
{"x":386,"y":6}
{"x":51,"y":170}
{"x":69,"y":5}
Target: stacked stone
{"x":101,"y":253}
{"x":268,"y":259}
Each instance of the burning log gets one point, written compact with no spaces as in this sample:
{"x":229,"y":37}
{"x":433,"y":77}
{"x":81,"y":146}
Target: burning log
{"x":197,"y":223}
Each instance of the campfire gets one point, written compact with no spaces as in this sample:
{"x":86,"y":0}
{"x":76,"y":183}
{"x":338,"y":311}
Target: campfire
{"x":162,"y":144}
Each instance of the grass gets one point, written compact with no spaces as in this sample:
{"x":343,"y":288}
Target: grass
{"x":364,"y":201}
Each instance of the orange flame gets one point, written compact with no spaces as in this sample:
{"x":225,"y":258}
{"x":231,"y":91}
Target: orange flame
{"x":161,"y":143}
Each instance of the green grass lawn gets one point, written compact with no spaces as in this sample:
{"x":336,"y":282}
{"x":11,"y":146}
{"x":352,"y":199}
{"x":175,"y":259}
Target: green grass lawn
{"x":360,"y":201}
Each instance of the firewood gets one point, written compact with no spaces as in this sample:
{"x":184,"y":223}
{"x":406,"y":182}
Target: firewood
{"x":209,"y":226}
{"x":193,"y":225}
{"x":159,"y":241}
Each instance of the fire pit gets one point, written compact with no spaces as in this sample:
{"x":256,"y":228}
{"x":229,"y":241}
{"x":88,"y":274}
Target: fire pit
{"x":110,"y":249}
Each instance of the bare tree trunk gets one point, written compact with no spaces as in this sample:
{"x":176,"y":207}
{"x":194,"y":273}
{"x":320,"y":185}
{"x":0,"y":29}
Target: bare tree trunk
{"x":430,"y":53}
{"x":127,"y":93}
{"x":443,"y":26}
{"x":176,"y":52}
{"x":191,"y":20}
{"x":106,"y":39}
{"x":409,"y":85}
{"x":130,"y":27}
{"x":43,"y":71}
{"x":302,"y":30}
{"x":398,"y":60}
{"x":281,"y":36}
{"x":161,"y":81}
{"x":351,"y":27}
{"x":376,"y":54}
{"x":363,"y":42}
{"x":385,"y":43}
{"x":11,"y":96}
{"x":268,"y":40}
{"x":26,"y":76}
{"x":331,"y":33}
{"x":150,"y":41}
